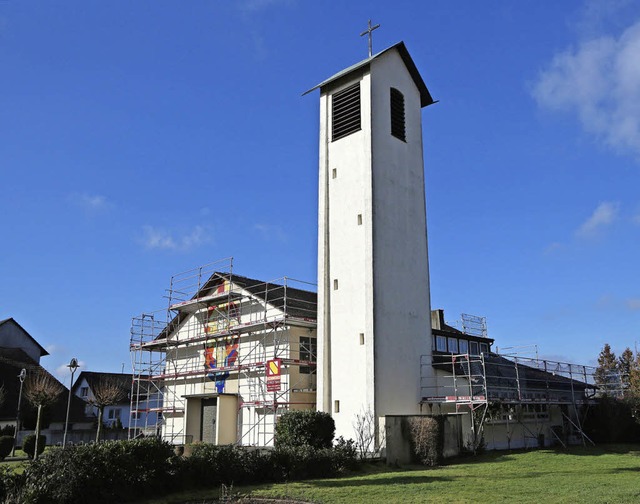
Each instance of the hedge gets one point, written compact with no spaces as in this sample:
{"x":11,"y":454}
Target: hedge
{"x":122,"y":471}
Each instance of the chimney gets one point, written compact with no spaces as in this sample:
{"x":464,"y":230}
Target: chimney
{"x":437,"y":319}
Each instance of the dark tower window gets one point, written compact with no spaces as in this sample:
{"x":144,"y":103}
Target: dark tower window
{"x":397,"y":115}
{"x":345,"y":112}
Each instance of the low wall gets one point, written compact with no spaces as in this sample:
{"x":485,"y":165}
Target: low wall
{"x":397,"y":444}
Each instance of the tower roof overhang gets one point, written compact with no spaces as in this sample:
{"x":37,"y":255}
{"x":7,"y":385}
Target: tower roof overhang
{"x":425,"y":95}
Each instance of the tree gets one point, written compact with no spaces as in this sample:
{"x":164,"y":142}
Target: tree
{"x":633,"y":390}
{"x":41,"y":390}
{"x":625,"y":365}
{"x":606,"y":375}
{"x":106,"y":391}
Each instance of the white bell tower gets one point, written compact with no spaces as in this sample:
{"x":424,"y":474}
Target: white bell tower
{"x":373,"y":273}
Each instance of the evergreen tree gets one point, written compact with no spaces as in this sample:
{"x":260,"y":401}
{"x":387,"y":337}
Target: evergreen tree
{"x":606,"y":375}
{"x":625,"y":365}
{"x":633,"y":392}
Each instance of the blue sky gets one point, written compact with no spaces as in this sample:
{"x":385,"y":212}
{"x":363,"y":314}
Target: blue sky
{"x":141,"y":139}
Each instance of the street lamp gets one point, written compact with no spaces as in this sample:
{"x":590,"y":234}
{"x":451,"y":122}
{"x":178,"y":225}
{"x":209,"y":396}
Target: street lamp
{"x":73,"y":365}
{"x":22,"y":376}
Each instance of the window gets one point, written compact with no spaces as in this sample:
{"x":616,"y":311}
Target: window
{"x":362,"y":338}
{"x":334,"y":173}
{"x":345,"y":112}
{"x":453,"y":345}
{"x":335,"y":284}
{"x":136,"y":415}
{"x":114,"y":413}
{"x":308,"y":352}
{"x":484,"y":348}
{"x":441,"y":344}
{"x":84,"y":391}
{"x":463,"y":345}
{"x":397,"y":115}
{"x":473,"y":348}
{"x":359,"y":219}
{"x":336,"y":406}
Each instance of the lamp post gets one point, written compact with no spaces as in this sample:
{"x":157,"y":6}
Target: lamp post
{"x":73,"y":365}
{"x":21,"y":376}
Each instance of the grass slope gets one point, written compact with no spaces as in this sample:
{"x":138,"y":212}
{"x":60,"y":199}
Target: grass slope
{"x":609,"y":474}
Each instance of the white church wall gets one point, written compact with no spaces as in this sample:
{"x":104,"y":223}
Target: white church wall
{"x":401,"y":275}
{"x":348,"y":286}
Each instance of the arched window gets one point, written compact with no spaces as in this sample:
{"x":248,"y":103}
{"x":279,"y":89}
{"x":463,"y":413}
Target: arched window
{"x":397,"y":115}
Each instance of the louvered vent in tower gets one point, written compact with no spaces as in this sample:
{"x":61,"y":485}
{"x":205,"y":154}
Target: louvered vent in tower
{"x":345,"y":112}
{"x":397,"y":115}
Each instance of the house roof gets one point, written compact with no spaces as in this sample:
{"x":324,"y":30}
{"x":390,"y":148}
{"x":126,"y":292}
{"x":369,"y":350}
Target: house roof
{"x":12,"y":320}
{"x":12,"y":361}
{"x":425,"y":95}
{"x":123,"y":380}
{"x":504,"y":377}
{"x":292,"y":301}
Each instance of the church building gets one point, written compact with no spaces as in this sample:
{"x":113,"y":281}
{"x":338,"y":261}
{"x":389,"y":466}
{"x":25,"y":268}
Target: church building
{"x":373,"y":273}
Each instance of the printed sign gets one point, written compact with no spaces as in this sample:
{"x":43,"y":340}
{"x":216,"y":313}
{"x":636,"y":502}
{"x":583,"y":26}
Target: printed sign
{"x":273,"y":371}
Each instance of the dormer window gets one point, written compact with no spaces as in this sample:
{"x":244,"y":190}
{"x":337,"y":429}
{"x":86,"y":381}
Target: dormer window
{"x":398,"y":129}
{"x":345,"y":112}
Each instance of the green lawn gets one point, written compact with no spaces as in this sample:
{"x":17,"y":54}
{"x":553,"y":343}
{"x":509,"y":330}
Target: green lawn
{"x":602,"y":474}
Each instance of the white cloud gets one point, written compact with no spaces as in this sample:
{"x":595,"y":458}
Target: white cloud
{"x":599,"y":82}
{"x":603,"y":216}
{"x":633,"y":304}
{"x":271,"y":232}
{"x":158,"y":238}
{"x":553,"y":248}
{"x":91,"y":202}
{"x":53,"y":348}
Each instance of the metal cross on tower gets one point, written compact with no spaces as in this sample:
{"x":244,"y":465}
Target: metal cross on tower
{"x":369,"y":31}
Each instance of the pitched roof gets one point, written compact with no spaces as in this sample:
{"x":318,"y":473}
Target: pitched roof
{"x":292,"y":301}
{"x":425,"y":95}
{"x":11,"y":362}
{"x":123,"y":380}
{"x":11,"y":319}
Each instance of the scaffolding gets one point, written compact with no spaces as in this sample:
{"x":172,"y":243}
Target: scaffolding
{"x":496,"y":386}
{"x":216,"y":337}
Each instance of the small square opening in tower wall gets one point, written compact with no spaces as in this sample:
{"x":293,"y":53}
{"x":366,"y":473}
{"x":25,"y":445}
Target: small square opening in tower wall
{"x":335,"y":284}
{"x":336,"y":406}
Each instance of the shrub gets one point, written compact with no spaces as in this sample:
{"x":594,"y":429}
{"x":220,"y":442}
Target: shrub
{"x":427,"y":439}
{"x":6,"y":444}
{"x":29,"y":444}
{"x":117,"y":471}
{"x":8,"y":430}
{"x":9,"y":483}
{"x":305,"y":428}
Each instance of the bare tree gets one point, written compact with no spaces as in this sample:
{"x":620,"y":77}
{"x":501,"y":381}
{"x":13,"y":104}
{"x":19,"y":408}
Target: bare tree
{"x":106,"y":391}
{"x":41,"y":390}
{"x":369,"y":437}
